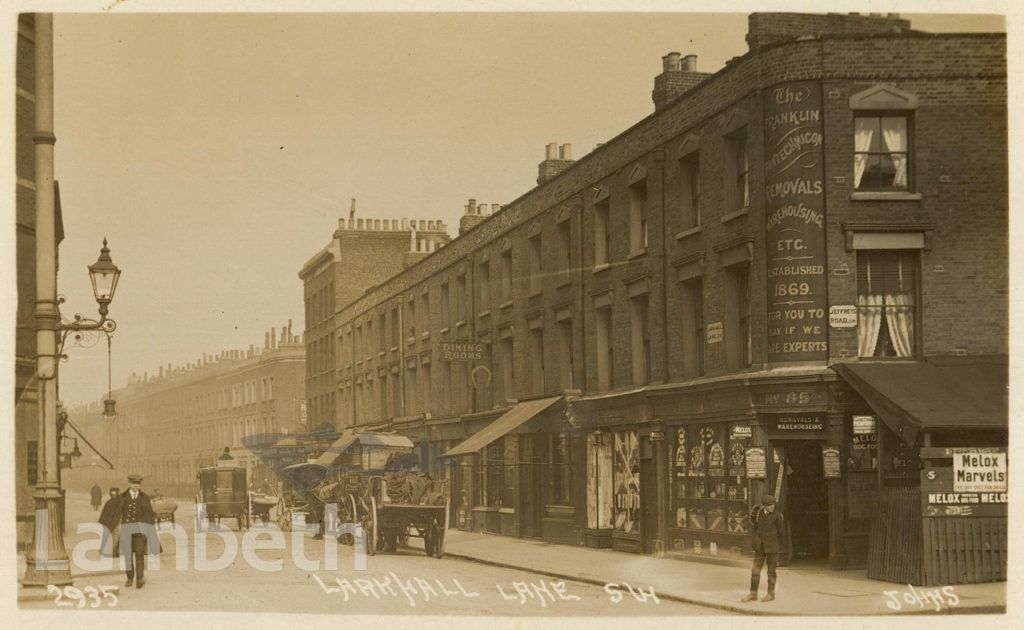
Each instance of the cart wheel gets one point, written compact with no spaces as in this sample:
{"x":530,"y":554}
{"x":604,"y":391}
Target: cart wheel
{"x":428,"y":541}
{"x":444,"y":530}
{"x":370,"y":528}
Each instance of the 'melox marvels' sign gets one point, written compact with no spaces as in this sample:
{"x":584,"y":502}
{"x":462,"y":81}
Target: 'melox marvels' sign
{"x":794,"y":205}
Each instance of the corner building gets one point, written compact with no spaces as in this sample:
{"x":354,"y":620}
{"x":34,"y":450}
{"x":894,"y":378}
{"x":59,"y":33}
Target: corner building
{"x":791,"y":278}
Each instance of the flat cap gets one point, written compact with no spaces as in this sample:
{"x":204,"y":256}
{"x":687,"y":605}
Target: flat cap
{"x":769,"y":500}
{"x":135,"y":478}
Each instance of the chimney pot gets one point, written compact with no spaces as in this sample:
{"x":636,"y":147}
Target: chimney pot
{"x":689,"y":63}
{"x":552,"y":151}
{"x":670,"y":62}
{"x":495,"y":207}
{"x":565,"y":152}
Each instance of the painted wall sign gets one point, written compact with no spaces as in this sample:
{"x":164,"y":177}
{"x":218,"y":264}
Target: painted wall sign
{"x":830,"y":460}
{"x":795,"y":423}
{"x":757,"y":462}
{"x":714,"y":332}
{"x":842,"y":316}
{"x":794,"y":205}
{"x":979,"y":472}
{"x":940,"y":497}
{"x":462,"y":351}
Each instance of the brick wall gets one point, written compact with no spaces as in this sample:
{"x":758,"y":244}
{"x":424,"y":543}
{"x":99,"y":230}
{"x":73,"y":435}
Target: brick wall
{"x":960,"y":163}
{"x":764,"y":29}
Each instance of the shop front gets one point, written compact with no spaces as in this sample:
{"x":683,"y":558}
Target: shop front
{"x":514,"y":476}
{"x":930,"y":445}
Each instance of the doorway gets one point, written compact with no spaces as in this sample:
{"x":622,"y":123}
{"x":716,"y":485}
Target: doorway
{"x":804,"y":498}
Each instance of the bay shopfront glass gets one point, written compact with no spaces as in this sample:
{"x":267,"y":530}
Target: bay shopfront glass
{"x":626,"y":482}
{"x":709,"y":490}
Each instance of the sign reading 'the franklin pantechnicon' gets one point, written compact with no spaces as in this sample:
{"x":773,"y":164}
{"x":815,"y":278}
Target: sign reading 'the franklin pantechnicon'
{"x":795,"y":210}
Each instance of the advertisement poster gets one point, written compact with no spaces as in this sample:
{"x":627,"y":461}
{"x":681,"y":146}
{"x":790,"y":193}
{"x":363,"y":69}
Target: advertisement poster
{"x":756,"y":462}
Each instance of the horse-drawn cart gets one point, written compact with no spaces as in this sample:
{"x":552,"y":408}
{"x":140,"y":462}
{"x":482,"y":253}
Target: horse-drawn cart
{"x":411,"y":503}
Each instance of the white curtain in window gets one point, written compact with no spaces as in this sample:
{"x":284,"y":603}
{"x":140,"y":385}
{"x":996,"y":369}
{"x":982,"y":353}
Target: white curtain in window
{"x":899,"y":317}
{"x":894,"y":133}
{"x":869,"y":322}
{"x":861,"y":143}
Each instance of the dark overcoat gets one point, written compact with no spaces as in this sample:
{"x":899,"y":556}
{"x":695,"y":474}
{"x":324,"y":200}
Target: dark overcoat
{"x":768,"y":530}
{"x":112,"y":519}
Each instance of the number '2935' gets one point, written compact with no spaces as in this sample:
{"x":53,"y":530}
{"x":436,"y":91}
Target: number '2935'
{"x":91,"y":596}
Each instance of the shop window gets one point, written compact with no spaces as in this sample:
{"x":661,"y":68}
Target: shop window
{"x":709,"y":491}
{"x":494,"y":475}
{"x":881,"y":157}
{"x":886,"y":298}
{"x":561,"y":470}
{"x":626,"y":482}
{"x":599,"y":480}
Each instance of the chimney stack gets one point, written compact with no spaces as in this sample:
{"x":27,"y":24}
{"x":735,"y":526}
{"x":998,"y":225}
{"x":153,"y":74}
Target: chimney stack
{"x":472,"y":216}
{"x":555,"y":161}
{"x":679,"y":75}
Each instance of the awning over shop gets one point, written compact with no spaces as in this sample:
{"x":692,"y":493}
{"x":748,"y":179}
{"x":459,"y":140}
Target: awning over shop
{"x":939,"y":393}
{"x":513,"y":418}
{"x":349,"y":437}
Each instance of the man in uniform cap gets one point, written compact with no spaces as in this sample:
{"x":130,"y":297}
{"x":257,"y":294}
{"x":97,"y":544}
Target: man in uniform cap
{"x":768,"y":529}
{"x":130,"y":517}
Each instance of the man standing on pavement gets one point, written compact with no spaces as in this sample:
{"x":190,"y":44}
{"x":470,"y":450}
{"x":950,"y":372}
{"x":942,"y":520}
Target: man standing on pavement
{"x":130,"y":518}
{"x":768,"y":528}
{"x":97,"y":496}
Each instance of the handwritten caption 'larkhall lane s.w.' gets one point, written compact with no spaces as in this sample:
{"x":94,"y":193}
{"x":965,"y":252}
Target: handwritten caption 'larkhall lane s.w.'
{"x":419,"y":590}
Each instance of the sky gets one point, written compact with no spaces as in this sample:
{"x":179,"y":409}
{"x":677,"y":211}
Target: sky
{"x":216,"y":152}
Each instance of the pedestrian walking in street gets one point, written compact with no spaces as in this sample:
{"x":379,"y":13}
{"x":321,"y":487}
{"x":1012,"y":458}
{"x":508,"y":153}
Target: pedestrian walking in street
{"x":97,"y":496}
{"x":131,"y":522}
{"x":768,"y":530}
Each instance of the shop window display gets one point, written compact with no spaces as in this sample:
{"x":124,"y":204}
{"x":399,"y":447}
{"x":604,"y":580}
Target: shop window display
{"x":626,"y":479}
{"x":709,"y":480}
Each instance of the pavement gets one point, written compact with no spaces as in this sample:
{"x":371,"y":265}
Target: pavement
{"x":801,"y":591}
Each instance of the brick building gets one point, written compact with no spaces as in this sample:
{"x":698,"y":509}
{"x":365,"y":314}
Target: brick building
{"x":362,"y":253}
{"x":171,"y":424}
{"x":768,"y":285}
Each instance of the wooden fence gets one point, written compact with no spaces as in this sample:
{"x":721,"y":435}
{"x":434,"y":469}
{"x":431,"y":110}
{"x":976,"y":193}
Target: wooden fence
{"x":895,"y":543}
{"x":964,"y":550}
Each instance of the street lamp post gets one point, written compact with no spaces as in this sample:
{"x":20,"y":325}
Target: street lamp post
{"x":46,"y":557}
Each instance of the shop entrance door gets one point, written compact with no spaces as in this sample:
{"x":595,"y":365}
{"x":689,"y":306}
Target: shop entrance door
{"x":804,"y":499}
